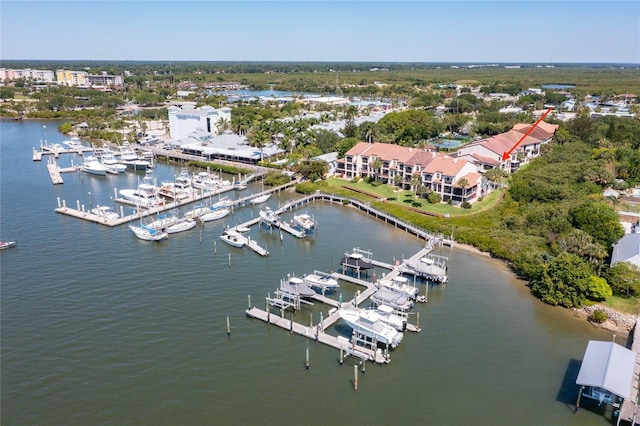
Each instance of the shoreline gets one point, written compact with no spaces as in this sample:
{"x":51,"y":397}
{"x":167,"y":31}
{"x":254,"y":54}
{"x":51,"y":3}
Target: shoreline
{"x":617,"y":322}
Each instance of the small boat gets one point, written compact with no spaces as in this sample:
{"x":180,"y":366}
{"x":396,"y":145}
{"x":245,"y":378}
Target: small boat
{"x":368,"y":323}
{"x":260,"y":199}
{"x":239,"y":186}
{"x":305,"y":222}
{"x":215,"y":214}
{"x":233,"y":238}
{"x":183,"y":224}
{"x":356,"y":260}
{"x":400,"y":285}
{"x":242,"y":229}
{"x":93,"y":166}
{"x":321,"y":280}
{"x":106,"y":212}
{"x":148,"y":234}
{"x":295,"y":287}
{"x":7,"y":244}
{"x":268,"y":216}
{"x":397,"y":301}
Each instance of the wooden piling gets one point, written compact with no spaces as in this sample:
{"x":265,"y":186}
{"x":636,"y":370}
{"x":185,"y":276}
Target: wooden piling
{"x":306,"y":360}
{"x":355,"y":377}
{"x":228,"y":327}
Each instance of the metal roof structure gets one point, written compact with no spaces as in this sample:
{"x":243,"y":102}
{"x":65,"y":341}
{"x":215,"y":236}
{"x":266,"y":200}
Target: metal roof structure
{"x":609,"y":366}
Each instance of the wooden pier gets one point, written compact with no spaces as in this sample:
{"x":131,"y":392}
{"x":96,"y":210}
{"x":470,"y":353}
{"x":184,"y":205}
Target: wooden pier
{"x":630,"y":410}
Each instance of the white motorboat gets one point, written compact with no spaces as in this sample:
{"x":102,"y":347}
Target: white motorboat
{"x":170,"y":190}
{"x":93,"y":166}
{"x":296,"y":287}
{"x":74,"y":143}
{"x":129,"y":158}
{"x":268,"y":216}
{"x":148,"y":234}
{"x":183,"y":224}
{"x":215,"y":214}
{"x":7,"y":244}
{"x":321,"y":280}
{"x":400,"y":285}
{"x":305,"y":222}
{"x":239,"y":186}
{"x":368,"y":323}
{"x":233,"y":238}
{"x":205,"y":181}
{"x":241,"y":228}
{"x":398,"y":301}
{"x":109,"y":160}
{"x":390,"y":317}
{"x":260,"y":199}
{"x":106,"y":212}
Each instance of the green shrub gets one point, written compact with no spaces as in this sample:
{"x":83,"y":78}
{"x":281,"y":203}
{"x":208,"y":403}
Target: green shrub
{"x":598,"y":316}
{"x":465,"y":205}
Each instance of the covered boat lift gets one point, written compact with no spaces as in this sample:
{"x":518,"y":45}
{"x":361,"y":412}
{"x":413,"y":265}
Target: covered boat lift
{"x":606,"y":373}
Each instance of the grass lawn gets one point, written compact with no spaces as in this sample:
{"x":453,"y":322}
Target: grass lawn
{"x":405,"y":198}
{"x":627,"y":305}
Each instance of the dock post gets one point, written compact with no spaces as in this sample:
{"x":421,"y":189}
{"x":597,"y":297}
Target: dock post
{"x":249,"y":300}
{"x":58,"y":198}
{"x":341,"y":355}
{"x":215,"y":247}
{"x":310,"y":319}
{"x":121,"y":211}
{"x":115,"y":192}
{"x":306,"y":360}
{"x":228,"y":327}
{"x":578,"y":400}
{"x":418,"y":319}
{"x":364,"y":363}
{"x":229,"y":259}
{"x":64,"y":204}
{"x":355,"y":377}
{"x":78,"y":205}
{"x":321,"y":319}
{"x":291,"y":324}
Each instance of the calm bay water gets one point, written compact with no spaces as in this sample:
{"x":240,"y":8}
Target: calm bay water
{"x":101,"y":328}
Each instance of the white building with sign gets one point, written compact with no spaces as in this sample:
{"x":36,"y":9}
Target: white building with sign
{"x":186,"y":120}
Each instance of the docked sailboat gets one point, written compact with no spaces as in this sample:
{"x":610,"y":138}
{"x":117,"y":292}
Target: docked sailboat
{"x":181,"y":225}
{"x":260,"y":199}
{"x":215,"y":213}
{"x":148,"y":234}
{"x":368,"y":323}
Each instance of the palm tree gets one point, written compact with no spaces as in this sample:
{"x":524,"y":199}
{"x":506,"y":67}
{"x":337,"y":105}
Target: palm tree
{"x":415,"y":182}
{"x":463,"y":183}
{"x":376,"y":165}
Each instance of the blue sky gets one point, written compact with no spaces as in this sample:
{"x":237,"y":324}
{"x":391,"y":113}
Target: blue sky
{"x":380,"y":31}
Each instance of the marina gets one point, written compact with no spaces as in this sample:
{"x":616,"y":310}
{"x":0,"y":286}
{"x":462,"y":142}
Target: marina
{"x":111,"y":329}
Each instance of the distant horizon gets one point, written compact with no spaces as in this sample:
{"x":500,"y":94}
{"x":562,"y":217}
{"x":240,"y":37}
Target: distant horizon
{"x":249,"y":61}
{"x":518,"y":32}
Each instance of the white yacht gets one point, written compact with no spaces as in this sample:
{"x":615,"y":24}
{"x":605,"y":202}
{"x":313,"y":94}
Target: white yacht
{"x":109,"y":160}
{"x":146,"y":195}
{"x":205,"y":181}
{"x":368,"y":323}
{"x":129,"y":158}
{"x":74,"y":143}
{"x":93,"y":166}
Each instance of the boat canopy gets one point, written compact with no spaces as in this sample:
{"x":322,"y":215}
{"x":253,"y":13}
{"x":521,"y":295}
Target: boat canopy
{"x":609,"y":366}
